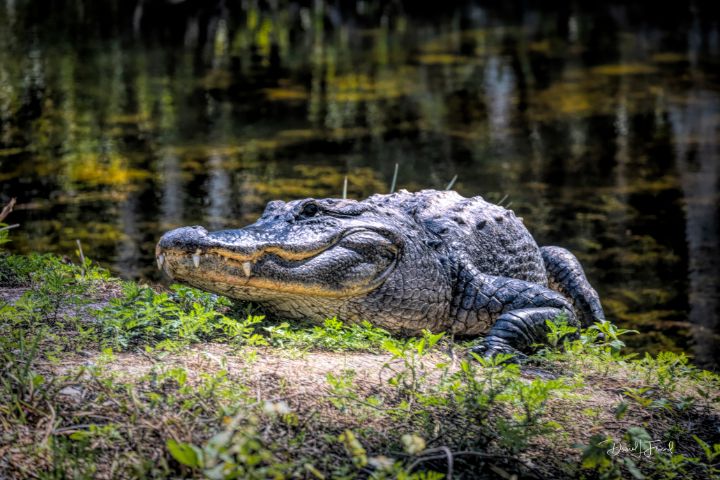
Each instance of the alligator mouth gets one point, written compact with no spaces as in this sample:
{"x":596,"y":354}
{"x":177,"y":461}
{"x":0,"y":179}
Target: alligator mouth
{"x":354,"y":263}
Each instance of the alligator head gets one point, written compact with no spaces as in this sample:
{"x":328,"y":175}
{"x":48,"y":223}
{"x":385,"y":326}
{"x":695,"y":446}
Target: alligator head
{"x":316,"y":258}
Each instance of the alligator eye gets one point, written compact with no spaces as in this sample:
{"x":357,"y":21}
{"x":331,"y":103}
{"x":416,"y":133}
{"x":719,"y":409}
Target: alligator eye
{"x":310,"y":210}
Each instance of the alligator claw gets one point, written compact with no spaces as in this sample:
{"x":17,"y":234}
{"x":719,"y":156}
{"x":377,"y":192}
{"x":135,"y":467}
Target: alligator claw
{"x":490,"y":349}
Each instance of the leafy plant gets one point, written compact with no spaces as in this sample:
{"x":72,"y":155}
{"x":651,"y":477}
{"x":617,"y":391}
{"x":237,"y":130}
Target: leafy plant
{"x":606,"y":334}
{"x":410,"y":352}
{"x":332,"y":335}
{"x":142,"y":316}
{"x":558,"y":330}
{"x":236,"y":452}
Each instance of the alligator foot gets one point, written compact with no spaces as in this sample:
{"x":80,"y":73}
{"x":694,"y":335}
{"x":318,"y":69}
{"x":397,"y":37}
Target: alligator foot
{"x":517,"y":331}
{"x":489,"y":348}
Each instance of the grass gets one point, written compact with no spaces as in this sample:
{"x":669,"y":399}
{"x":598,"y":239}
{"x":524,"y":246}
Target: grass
{"x":108,"y":379}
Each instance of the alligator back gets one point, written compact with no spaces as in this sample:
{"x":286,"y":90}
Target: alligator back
{"x":488,"y":236}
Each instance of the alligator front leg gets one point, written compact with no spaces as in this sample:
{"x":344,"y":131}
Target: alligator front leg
{"x":515,"y":311}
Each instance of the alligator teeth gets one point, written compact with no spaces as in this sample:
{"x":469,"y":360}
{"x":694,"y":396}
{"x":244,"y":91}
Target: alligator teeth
{"x":160,"y":261}
{"x":247,"y":268}
{"x":196,"y":258}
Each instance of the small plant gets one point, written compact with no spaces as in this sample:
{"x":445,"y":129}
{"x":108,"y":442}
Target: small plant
{"x":332,"y":335}
{"x":410,"y":352}
{"x":22,"y":385}
{"x":559,"y":330}
{"x":606,"y":335}
{"x":142,"y":316}
{"x":238,"y":451}
{"x":4,"y":233}
{"x":342,"y":389}
{"x":712,"y":453}
{"x":50,"y":307}
{"x":596,"y":457}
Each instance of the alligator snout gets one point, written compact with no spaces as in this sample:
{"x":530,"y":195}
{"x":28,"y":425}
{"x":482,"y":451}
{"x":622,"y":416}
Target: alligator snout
{"x":185,"y":238}
{"x":243,"y":244}
{"x":247,"y":244}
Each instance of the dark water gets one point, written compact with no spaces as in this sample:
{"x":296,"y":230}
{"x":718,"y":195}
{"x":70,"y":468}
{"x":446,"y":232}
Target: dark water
{"x":599,"y":125}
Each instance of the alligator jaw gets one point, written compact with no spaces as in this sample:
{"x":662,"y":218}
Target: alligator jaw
{"x":273,"y":270}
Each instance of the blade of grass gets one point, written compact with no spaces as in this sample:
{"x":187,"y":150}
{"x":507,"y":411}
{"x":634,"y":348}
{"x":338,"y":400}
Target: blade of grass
{"x":452,"y":183}
{"x":394,"y":179}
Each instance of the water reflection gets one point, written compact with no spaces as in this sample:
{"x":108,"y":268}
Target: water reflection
{"x":694,"y":120}
{"x":597,"y":124}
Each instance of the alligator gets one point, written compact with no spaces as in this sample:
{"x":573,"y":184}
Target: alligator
{"x":406,"y":262}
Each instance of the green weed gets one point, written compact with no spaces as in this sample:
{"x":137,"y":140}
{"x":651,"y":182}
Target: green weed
{"x":144,"y":317}
{"x":332,"y":335}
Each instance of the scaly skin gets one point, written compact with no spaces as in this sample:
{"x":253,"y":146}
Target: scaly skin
{"x":405,"y":262}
